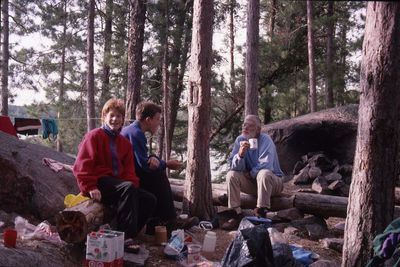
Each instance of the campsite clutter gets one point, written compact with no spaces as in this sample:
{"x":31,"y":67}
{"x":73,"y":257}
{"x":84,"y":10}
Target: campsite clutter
{"x":191,"y":247}
{"x":30,"y":126}
{"x":297,"y":227}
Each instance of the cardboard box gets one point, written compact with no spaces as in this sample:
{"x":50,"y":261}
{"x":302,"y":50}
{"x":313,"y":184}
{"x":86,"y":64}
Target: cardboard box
{"x":119,"y":238}
{"x":100,"y":250}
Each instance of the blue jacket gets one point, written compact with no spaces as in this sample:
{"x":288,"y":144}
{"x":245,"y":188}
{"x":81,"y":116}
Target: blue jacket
{"x":264,"y":157}
{"x":139,"y":145}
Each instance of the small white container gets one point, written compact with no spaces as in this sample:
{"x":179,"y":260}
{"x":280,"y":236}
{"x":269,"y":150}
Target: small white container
{"x":210,"y":239}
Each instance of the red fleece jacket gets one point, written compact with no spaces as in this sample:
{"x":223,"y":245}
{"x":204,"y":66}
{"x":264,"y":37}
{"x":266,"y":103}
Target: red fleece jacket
{"x":94,"y":160}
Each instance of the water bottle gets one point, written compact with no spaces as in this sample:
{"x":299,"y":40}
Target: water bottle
{"x":209,"y":242}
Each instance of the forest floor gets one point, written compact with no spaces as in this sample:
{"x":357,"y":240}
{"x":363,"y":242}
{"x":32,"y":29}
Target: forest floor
{"x":224,"y":238}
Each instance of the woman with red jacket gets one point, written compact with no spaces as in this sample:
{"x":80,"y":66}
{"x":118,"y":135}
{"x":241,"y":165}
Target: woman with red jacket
{"x":105,"y":171}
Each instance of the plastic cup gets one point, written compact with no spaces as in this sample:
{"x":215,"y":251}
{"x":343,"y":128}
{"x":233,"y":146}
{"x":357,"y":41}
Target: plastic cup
{"x":161,"y":235}
{"x":10,"y":238}
{"x":193,"y":256}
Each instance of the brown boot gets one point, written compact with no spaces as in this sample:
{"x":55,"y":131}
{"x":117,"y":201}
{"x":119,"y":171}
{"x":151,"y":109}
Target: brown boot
{"x":233,"y":223}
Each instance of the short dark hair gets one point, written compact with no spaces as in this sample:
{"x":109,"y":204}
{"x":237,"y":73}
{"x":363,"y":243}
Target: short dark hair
{"x":146,"y":109}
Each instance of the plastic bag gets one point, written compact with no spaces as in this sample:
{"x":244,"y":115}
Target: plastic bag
{"x":44,"y":231}
{"x":276,"y":236}
{"x":251,"y":247}
{"x":71,"y":200}
{"x":175,"y":244}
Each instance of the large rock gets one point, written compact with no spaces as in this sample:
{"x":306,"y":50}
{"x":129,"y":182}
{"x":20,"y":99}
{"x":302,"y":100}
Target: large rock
{"x":332,"y":131}
{"x":28,"y":187}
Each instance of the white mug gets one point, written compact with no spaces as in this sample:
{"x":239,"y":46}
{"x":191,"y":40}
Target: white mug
{"x":253,"y":143}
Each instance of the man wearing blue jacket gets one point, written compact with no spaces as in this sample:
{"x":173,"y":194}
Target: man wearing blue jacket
{"x":254,"y":169}
{"x":150,"y":168}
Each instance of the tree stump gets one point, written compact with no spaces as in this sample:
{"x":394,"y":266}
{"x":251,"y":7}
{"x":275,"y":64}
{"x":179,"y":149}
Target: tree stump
{"x":73,"y":224}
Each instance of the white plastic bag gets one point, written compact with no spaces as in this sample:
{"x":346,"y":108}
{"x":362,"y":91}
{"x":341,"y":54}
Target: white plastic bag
{"x":276,"y":237}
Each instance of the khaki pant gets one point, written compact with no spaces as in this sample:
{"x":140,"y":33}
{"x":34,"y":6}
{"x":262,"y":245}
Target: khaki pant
{"x":266,"y":184}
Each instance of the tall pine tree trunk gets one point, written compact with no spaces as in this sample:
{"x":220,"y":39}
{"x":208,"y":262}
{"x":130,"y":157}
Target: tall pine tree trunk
{"x":165,"y":84}
{"x":60,"y":114}
{"x":342,"y":66}
{"x":198,"y":195}
{"x":135,"y":56}
{"x":311,"y":58}
{"x":329,"y":57}
{"x":180,"y":48}
{"x":105,"y":79}
{"x":253,"y":17}
{"x":268,"y":95}
{"x":232,"y":48}
{"x":91,"y":123}
{"x":376,"y":163}
{"x":5,"y":58}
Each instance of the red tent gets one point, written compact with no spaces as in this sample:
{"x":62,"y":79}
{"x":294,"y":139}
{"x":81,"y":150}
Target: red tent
{"x":6,"y":125}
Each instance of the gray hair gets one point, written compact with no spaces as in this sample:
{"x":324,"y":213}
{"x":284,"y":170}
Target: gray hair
{"x":255,"y":119}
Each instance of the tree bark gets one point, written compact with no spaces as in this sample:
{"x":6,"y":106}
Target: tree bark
{"x":91,"y":123}
{"x":165,"y":84}
{"x":198,"y":199}
{"x":180,"y":48}
{"x":311,"y":58}
{"x":135,"y":56}
{"x":252,"y":28}
{"x":60,"y":113}
{"x":330,"y":31}
{"x":105,"y":79}
{"x":232,"y":47}
{"x":268,"y":96}
{"x":342,"y":66}
{"x":73,"y":224}
{"x":5,"y":58}
{"x":376,"y":167}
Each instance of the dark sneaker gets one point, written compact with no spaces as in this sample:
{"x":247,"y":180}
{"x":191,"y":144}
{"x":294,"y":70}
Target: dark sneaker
{"x":260,"y":212}
{"x":182,"y":223}
{"x":187,"y":223}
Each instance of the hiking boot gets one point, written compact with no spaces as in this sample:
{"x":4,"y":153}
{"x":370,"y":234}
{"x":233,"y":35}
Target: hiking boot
{"x":233,"y":223}
{"x":223,"y":200}
{"x":182,"y":223}
{"x":260,"y":212}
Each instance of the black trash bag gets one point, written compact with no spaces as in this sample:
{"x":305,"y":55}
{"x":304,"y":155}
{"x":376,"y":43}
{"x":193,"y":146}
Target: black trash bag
{"x":283,"y":256}
{"x":251,"y":247}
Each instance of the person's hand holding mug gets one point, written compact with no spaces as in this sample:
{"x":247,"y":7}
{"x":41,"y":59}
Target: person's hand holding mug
{"x":174,"y":164}
{"x":244,"y":146}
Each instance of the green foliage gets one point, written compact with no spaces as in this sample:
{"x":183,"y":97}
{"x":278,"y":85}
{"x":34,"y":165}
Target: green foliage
{"x":283,"y":62}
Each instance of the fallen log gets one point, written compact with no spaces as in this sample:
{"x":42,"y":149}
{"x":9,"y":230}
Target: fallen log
{"x":316,"y":204}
